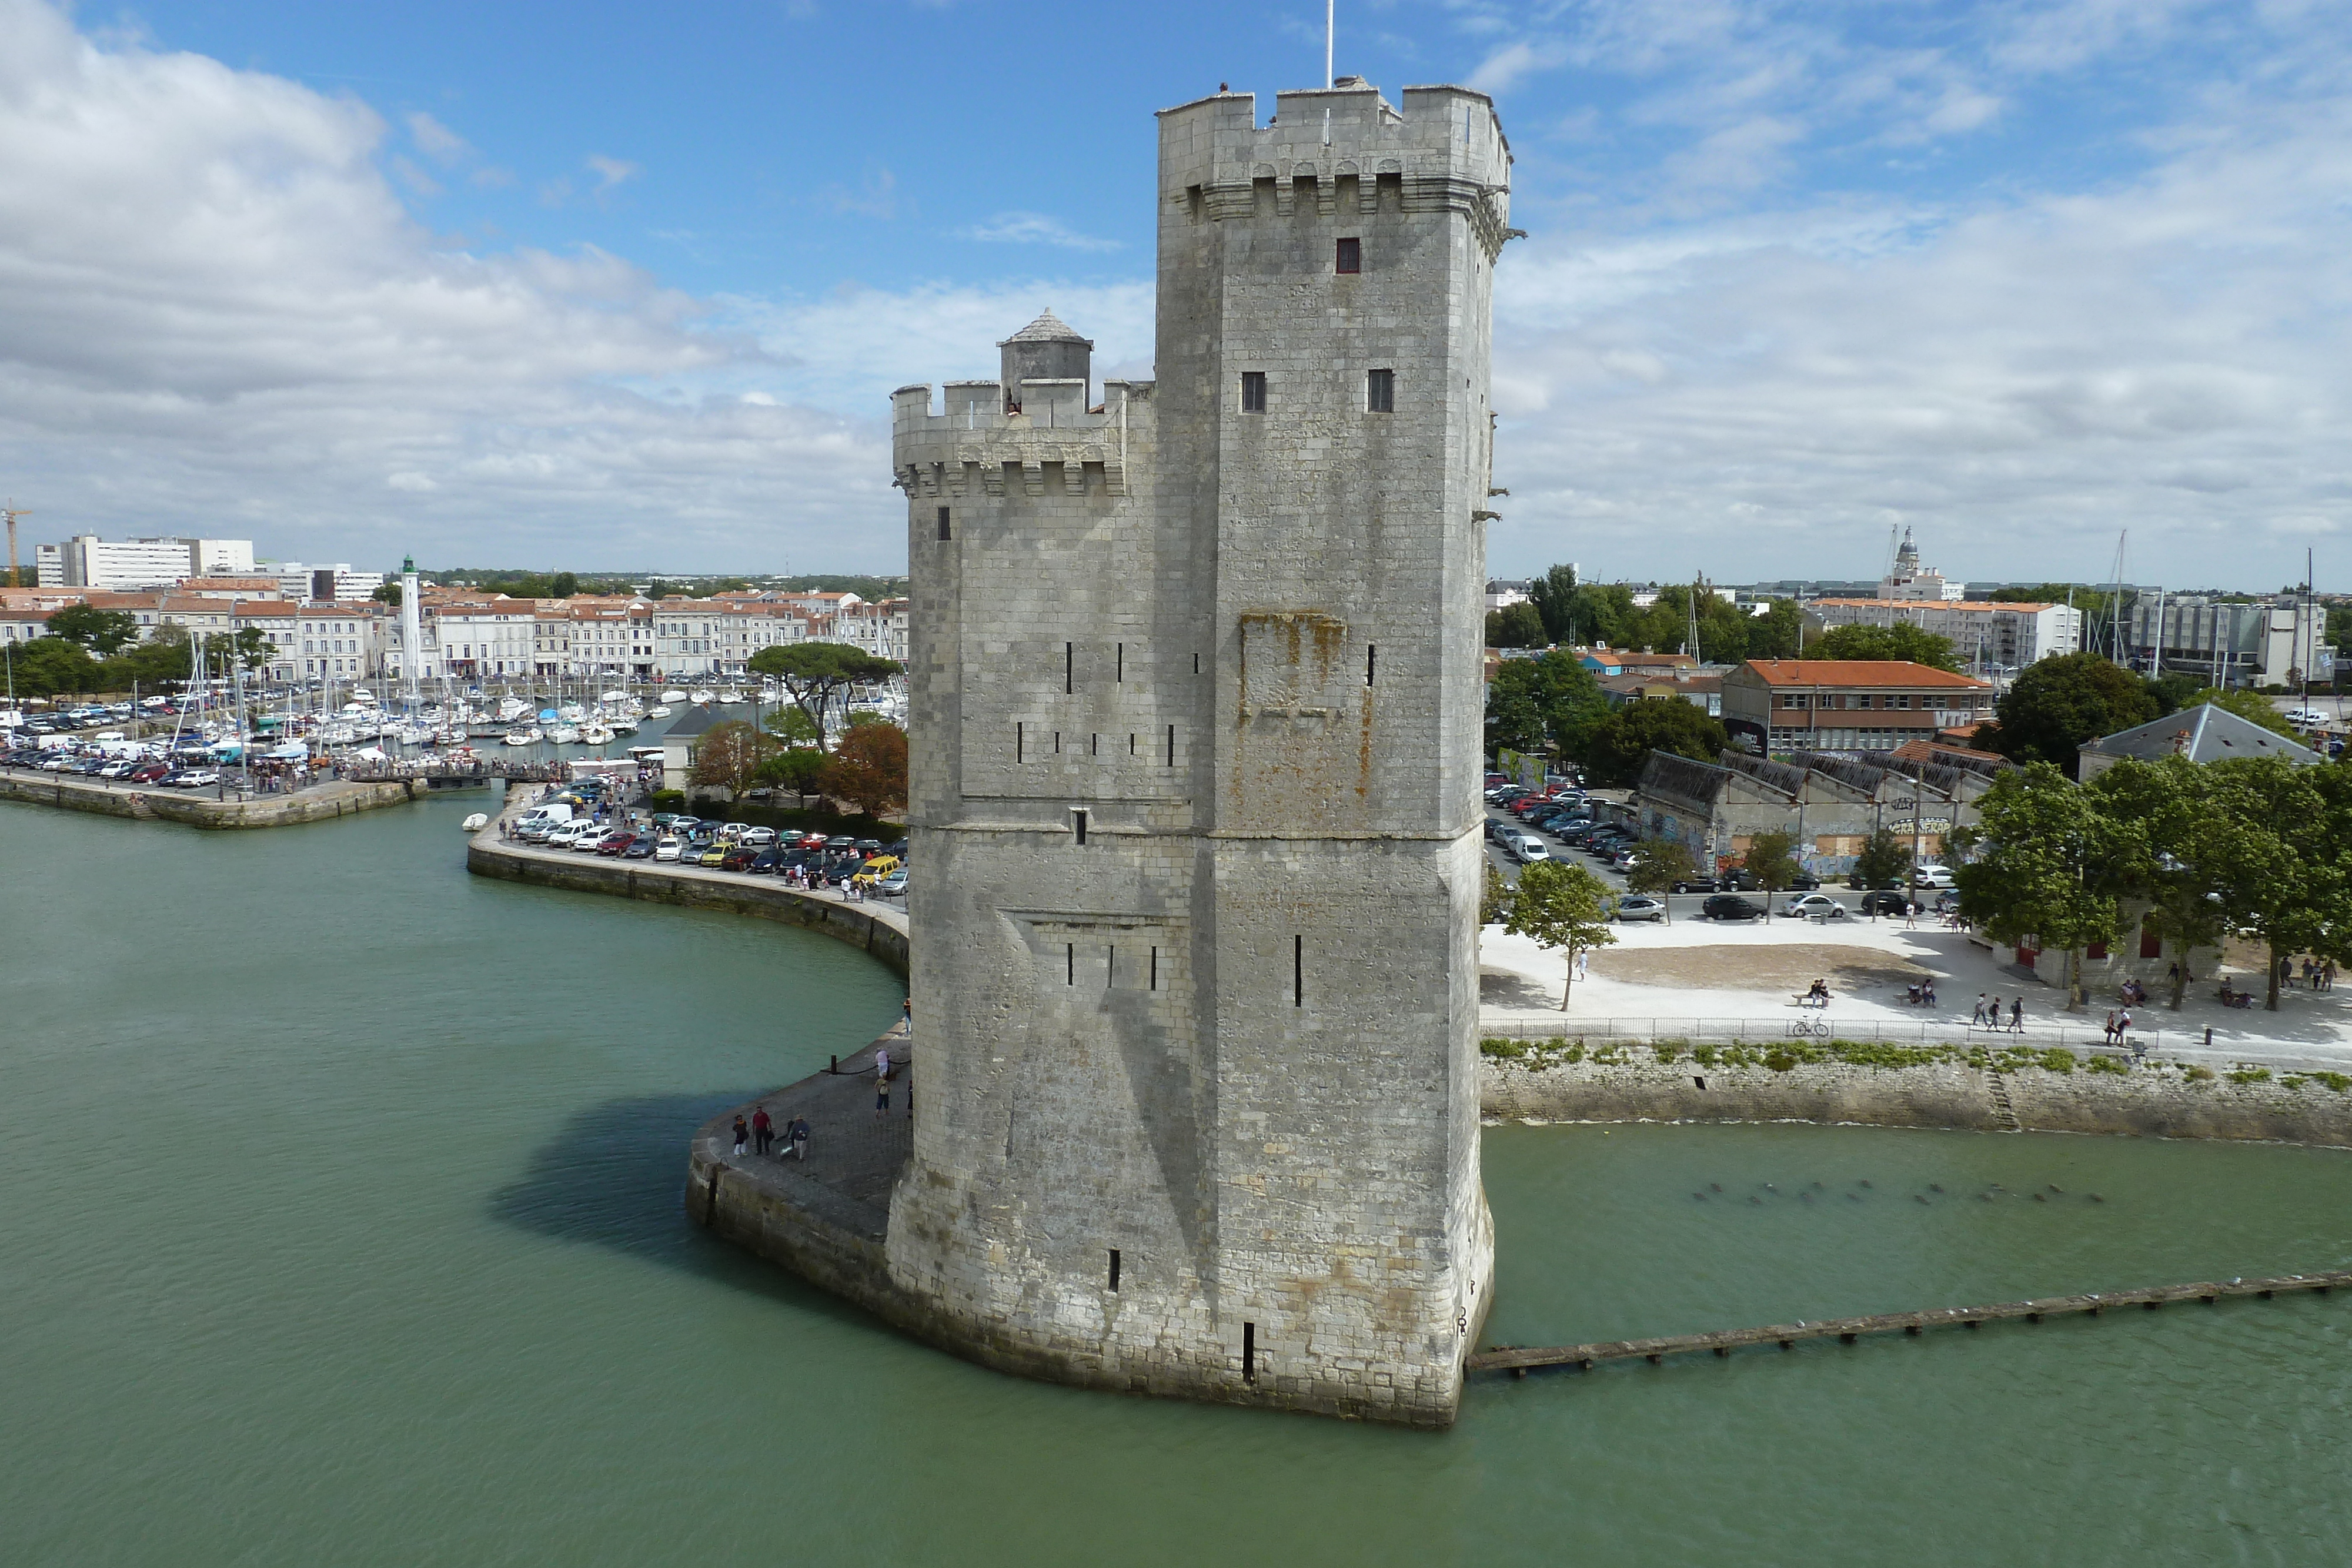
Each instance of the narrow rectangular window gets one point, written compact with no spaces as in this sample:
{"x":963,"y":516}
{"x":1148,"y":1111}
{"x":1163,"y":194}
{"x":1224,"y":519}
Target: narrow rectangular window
{"x":1110,"y":966}
{"x":1078,"y":823}
{"x":1298,"y":971}
{"x":1155,"y":969}
{"x":1069,"y":666}
{"x":1131,"y":746}
{"x":1253,"y":392}
{"x":1196,"y":663}
{"x":1371,"y":661}
{"x":1070,"y":955}
{"x":1058,"y":743}
{"x":1352,"y":255}
{"x":1380,"y":391}
{"x":1121,"y":673}
{"x":1094,"y":746}
{"x":1249,"y":1353}
{"x":1171,"y":746}
{"x":1114,"y":1270}
{"x":944,"y":532}
{"x":1020,"y":741}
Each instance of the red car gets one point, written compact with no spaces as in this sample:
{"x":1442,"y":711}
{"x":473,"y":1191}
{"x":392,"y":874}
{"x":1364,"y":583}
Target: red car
{"x":616,"y":842}
{"x":809,"y":842}
{"x":146,"y":773}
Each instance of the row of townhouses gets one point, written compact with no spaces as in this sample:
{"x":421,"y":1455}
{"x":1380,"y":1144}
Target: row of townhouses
{"x":473,"y":636}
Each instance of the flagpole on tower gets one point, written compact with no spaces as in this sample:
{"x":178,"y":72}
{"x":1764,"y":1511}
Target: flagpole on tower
{"x":1329,"y":7}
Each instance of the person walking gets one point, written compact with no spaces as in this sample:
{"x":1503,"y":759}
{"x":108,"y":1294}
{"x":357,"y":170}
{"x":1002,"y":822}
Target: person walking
{"x":906,"y":1018}
{"x":2017,"y":1015}
{"x":881,"y":1061}
{"x":2109,"y":1034}
{"x":881,"y":1097}
{"x":1976,"y":1020}
{"x":1583,"y":964}
{"x":764,"y":1131}
{"x":1992,"y":1014}
{"x":2123,"y":1026}
{"x":742,"y":1132}
{"x":796,"y":1137}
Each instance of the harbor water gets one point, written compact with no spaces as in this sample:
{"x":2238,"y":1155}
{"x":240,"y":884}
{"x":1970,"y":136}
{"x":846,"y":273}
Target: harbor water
{"x":339,"y":1222}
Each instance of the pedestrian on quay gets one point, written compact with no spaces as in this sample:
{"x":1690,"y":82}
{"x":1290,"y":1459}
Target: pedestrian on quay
{"x":2310,"y":974}
{"x":882,"y":1061}
{"x":764,"y":1131}
{"x":2327,"y":975}
{"x":1911,"y":914}
{"x":2110,"y":1032}
{"x":881,"y":1097}
{"x":742,"y":1132}
{"x":1583,"y":963}
{"x":2123,"y":1026}
{"x":2017,"y":1015}
{"x":907,"y":1016}
{"x":796,"y":1137}
{"x":1992,"y":1014}
{"x":1976,"y":1020}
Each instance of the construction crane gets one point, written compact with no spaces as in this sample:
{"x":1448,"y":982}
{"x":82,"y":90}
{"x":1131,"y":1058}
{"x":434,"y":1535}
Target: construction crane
{"x":12,"y":514}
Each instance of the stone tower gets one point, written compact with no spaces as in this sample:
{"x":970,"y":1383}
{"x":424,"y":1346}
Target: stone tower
{"x":1194,"y":789}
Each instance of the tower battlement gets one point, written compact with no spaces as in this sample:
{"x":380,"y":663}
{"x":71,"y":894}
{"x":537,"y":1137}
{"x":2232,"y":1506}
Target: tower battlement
{"x":1339,"y":149}
{"x":1053,"y":439}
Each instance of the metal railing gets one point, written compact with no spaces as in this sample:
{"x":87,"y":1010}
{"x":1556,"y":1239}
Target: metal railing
{"x":1819,"y":1027}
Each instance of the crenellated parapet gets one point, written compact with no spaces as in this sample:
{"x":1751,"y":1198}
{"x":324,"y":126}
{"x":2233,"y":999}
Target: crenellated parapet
{"x":1053,"y":444}
{"x":1339,"y":149}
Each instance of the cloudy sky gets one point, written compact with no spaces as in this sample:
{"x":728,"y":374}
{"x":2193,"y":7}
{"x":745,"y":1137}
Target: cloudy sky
{"x":605,"y":286}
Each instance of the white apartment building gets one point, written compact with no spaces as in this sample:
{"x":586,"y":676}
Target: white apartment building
{"x":88,"y":561}
{"x":2280,"y":641}
{"x":1984,"y":634}
{"x":326,"y":583}
{"x":469,"y":639}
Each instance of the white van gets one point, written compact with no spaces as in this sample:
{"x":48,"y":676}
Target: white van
{"x":1529,"y":849}
{"x":1931,"y":875}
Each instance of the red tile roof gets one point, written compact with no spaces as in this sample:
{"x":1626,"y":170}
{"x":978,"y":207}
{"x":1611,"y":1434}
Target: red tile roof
{"x":1858,"y":672}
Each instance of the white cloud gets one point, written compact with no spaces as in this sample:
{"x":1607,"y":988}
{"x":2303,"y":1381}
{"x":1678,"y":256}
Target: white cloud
{"x":609,"y":172}
{"x":434,"y":140}
{"x":1033,"y":228}
{"x":215,"y":311}
{"x":2019,"y":381}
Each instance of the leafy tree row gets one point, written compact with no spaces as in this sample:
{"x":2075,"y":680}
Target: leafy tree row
{"x":2058,"y":704}
{"x":2251,"y":845}
{"x":92,"y":651}
{"x":1552,"y":704}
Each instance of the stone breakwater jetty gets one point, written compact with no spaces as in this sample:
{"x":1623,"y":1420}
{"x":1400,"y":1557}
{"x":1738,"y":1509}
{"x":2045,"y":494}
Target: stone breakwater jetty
{"x":201,"y":809}
{"x":875,"y":927}
{"x":1981,"y":1090}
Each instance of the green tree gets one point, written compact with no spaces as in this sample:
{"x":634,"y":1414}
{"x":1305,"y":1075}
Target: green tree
{"x":868,"y":768}
{"x":1561,"y":906}
{"x":2052,"y":868}
{"x":800,"y":769}
{"x":1772,"y":859}
{"x":1601,"y":613}
{"x":1514,"y":715}
{"x":1554,"y":597}
{"x":1515,"y":626}
{"x":2281,"y":866}
{"x":2246,"y":705}
{"x":1774,"y":633}
{"x":1533,"y":703}
{"x":2057,"y":704}
{"x":563,"y":585}
{"x":1494,"y":897}
{"x":793,"y":728}
{"x":47,"y":666}
{"x":387,"y":594}
{"x":1622,"y":741}
{"x":729,"y":756}
{"x":1884,"y":861}
{"x":1658,"y":865}
{"x":1901,"y":642}
{"x":102,"y":633}
{"x":812,"y":674}
{"x":2181,"y":852}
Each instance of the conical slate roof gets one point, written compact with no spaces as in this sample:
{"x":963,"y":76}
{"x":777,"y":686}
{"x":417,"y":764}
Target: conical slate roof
{"x":1047,"y":328}
{"x":2201,"y":734}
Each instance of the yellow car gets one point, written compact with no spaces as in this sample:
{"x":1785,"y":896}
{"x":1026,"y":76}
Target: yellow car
{"x":713,"y":856}
{"x":875,"y":870}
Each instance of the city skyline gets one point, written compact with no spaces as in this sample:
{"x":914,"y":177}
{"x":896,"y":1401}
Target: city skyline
{"x":493,"y":288}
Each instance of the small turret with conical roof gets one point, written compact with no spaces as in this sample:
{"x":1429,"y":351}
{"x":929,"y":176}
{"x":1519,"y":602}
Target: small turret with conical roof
{"x":1044,"y":350}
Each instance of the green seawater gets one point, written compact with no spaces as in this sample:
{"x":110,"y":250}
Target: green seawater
{"x":340,"y":1223}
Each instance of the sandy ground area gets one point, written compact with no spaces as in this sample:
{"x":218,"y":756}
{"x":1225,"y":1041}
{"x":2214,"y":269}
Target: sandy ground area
{"x":1697,"y":969}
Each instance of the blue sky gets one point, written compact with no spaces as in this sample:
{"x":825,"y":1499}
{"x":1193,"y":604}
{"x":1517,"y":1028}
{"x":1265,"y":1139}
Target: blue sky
{"x":605,"y":286}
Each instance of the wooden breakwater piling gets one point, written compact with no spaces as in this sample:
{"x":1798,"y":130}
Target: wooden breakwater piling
{"x":1519,"y":1359}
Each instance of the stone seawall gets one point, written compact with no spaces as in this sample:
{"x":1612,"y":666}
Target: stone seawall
{"x":2149,"y":1101}
{"x":861,"y":926}
{"x":197,"y":809}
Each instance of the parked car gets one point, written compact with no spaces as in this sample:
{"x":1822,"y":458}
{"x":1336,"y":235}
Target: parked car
{"x":738,"y":858}
{"x":763,"y":864}
{"x":1812,"y":906}
{"x":713,"y":857}
{"x":758,"y":838}
{"x":893,"y":885}
{"x":1526,"y":849}
{"x":1730,"y":906}
{"x":1640,"y":906}
{"x":146,"y":773}
{"x":667,"y":851}
{"x":1878,"y":901}
{"x":616,"y":843}
{"x":641,"y":847}
{"x":1696,"y":885}
{"x":1931,"y":875}
{"x":875,"y":870}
